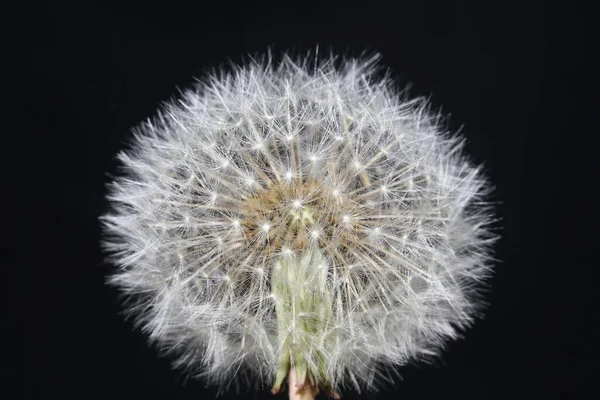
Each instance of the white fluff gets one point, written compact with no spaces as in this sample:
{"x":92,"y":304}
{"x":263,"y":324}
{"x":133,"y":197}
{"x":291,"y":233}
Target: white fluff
{"x":316,"y":177}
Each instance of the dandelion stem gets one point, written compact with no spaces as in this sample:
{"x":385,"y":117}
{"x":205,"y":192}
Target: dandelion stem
{"x":300,"y":391}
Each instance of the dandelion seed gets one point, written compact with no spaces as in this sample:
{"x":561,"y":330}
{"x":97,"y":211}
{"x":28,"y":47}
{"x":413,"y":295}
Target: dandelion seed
{"x":297,"y":204}
{"x":280,"y":221}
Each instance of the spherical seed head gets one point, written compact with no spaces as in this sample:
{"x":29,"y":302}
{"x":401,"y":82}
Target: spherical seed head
{"x":302,"y":216}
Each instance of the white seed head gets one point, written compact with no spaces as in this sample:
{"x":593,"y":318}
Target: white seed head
{"x":299,"y":215}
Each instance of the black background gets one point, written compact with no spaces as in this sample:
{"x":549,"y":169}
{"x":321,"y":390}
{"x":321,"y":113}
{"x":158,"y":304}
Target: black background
{"x":512,"y":74}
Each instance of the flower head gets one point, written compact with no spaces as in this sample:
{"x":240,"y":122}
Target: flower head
{"x":299,"y":216}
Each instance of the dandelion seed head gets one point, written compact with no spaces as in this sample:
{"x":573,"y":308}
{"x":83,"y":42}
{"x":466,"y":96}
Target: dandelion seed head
{"x":280,"y":182}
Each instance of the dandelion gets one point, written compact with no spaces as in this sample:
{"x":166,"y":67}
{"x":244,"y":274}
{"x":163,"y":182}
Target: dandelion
{"x":299,"y":219}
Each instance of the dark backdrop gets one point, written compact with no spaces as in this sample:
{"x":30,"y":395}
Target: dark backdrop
{"x":512,"y":74}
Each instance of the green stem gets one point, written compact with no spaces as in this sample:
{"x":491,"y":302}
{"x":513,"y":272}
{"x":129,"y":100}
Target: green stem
{"x":304,"y":312}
